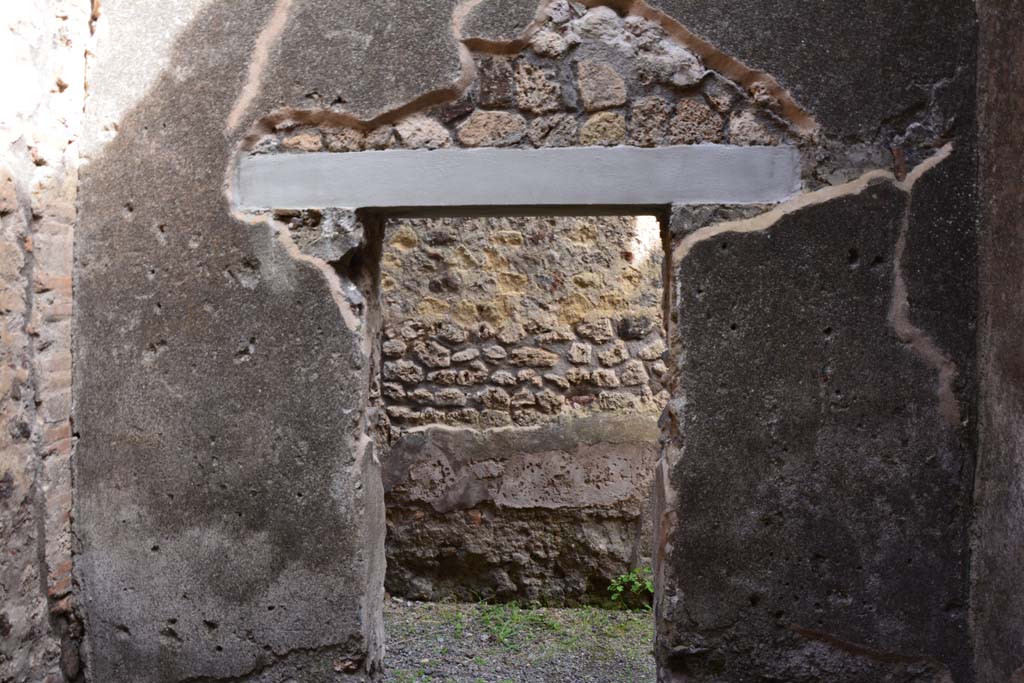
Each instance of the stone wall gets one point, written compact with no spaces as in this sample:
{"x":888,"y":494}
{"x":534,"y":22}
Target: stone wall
{"x":495,"y":326}
{"x":43,"y":58}
{"x":815,"y":492}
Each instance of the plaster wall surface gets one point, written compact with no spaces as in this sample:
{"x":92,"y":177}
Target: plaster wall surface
{"x":997,"y":599}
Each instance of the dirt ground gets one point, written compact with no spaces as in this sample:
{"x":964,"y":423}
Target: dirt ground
{"x":482,"y":643}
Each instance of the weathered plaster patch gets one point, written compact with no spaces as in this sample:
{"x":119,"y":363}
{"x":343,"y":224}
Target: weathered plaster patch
{"x":258,"y":64}
{"x":899,"y":312}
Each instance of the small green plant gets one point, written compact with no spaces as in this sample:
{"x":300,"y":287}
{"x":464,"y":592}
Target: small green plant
{"x":635,"y":586}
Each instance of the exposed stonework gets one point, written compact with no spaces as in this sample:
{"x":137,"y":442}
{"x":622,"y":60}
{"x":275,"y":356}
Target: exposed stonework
{"x":509,"y":329}
{"x":43,"y":57}
{"x":505,"y":311}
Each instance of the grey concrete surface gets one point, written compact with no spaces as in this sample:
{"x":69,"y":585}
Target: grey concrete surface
{"x":584,"y":176}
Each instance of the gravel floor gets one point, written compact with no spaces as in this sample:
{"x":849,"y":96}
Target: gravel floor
{"x":479,"y":643}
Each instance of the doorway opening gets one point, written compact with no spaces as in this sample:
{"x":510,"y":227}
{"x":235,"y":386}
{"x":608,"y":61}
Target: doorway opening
{"x":524,"y":370}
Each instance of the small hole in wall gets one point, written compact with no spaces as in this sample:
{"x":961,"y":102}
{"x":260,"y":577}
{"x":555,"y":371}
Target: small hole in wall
{"x":853,"y":258}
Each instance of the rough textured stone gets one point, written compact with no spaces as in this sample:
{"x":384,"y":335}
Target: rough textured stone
{"x":600,"y":86}
{"x":536,"y":92}
{"x":492,"y":129}
{"x":746,"y":128}
{"x":556,"y":130}
{"x":605,"y":128}
{"x":494,"y":82}
{"x":695,"y":122}
{"x":647,"y":120}
{"x":422,"y":132}
{"x":521,"y":502}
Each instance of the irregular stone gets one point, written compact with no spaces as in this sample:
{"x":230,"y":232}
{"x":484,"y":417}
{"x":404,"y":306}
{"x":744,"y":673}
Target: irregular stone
{"x":647,"y":120}
{"x":659,"y":370}
{"x":533,"y":357}
{"x":633,"y":374}
{"x":401,"y":413}
{"x":577,"y":375}
{"x":393,"y":348}
{"x":463,"y":416}
{"x":746,"y":128}
{"x":508,"y":237}
{"x":555,"y":130}
{"x":465,"y":355}
{"x":422,"y":132}
{"x":606,"y":128}
{"x":444,"y":377}
{"x":492,"y":129}
{"x":558,"y":380}
{"x":421,"y":396}
{"x":393,"y":391}
{"x":450,"y":398}
{"x":721,"y":94}
{"x":403,"y":371}
{"x":450,"y":332}
{"x":453,"y":111}
{"x":601,"y":87}
{"x":523,"y":397}
{"x":604,"y":378}
{"x":613,"y":355}
{"x":346,"y":140}
{"x":494,"y":82}
{"x":636,"y":326}
{"x":597,"y":330}
{"x":652,"y":351}
{"x":529,"y":375}
{"x":411,"y":329}
{"x":495,"y":352}
{"x":666,"y":61}
{"x":511,"y":332}
{"x":503,"y":378}
{"x":617,"y":400}
{"x":432,"y":354}
{"x":526,"y":417}
{"x":493,"y":397}
{"x":380,"y":138}
{"x":535,"y":93}
{"x":303,"y":142}
{"x":476,"y":373}
{"x":548,"y":43}
{"x":549,"y":402}
{"x":694,"y":122}
{"x":495,"y":418}
{"x":556,"y":336}
{"x":580,"y":353}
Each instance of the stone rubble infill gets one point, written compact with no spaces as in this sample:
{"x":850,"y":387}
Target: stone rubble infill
{"x":595,"y":80}
{"x":479,"y":643}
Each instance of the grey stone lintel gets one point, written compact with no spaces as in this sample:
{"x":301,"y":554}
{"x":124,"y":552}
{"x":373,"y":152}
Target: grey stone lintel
{"x":576,"y":176}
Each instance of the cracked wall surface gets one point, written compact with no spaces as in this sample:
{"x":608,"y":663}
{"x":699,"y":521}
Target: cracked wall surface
{"x":43,"y":53}
{"x":997,"y":600}
{"x":222,"y":367}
